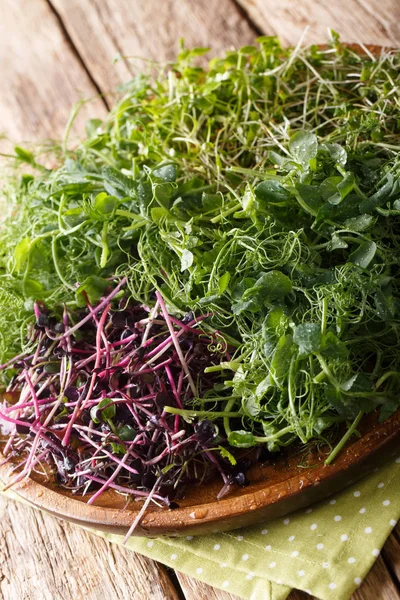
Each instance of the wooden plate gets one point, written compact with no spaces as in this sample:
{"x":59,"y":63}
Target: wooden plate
{"x":280,"y":486}
{"x":276,"y":488}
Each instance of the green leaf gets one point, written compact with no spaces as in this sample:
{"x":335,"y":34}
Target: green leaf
{"x":158,"y":213}
{"x":117,"y":184}
{"x":337,"y":153}
{"x":321,"y":424}
{"x":25,"y":155}
{"x":251,"y":406}
{"x":186,"y":260}
{"x":145,"y":196}
{"x":377,"y":199}
{"x":187,"y":54}
{"x":26,"y":179}
{"x":92,"y":126}
{"x":223,"y":282}
{"x":360,"y":223}
{"x":253,"y":305}
{"x":118,"y":448}
{"x":270,"y":430}
{"x":336,"y":243}
{"x":105,"y":204}
{"x":328,"y":188}
{"x":263,"y":387}
{"x":332,"y":347}
{"x":127,"y":433}
{"x":33,"y":288}
{"x":346,"y":209}
{"x":241,"y":439}
{"x":226,"y":454}
{"x":280,"y":363}
{"x":94,"y":288}
{"x":346,"y":406}
{"x":166,"y":172}
{"x":212,"y":202}
{"x":271,"y":286}
{"x":384,"y":305}
{"x":335,"y":189}
{"x":364,"y":254}
{"x":242,"y":286}
{"x":167,"y":468}
{"x":271,"y":191}
{"x":357,"y":383}
{"x":388,"y":409}
{"x":21,"y":253}
{"x":308,"y":337}
{"x":275,"y":323}
{"x":303,"y":146}
{"x":104,"y":411}
{"x":311,"y":196}
{"x":346,"y":185}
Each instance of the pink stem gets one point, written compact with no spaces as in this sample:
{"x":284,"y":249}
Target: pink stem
{"x":110,"y":480}
{"x":98,"y":308}
{"x":34,"y":397}
{"x":10,"y":409}
{"x":25,"y":472}
{"x":15,"y":359}
{"x":15,"y":421}
{"x":127,"y":490}
{"x":107,"y":453}
{"x":78,"y":409}
{"x":176,"y":343}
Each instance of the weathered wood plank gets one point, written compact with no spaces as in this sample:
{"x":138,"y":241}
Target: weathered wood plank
{"x":197,"y":590}
{"x":96,"y":46}
{"x":367,"y":21}
{"x":42,"y":558}
{"x":299,"y":595}
{"x":148,"y":29}
{"x":41,"y":75}
{"x":377,"y":584}
{"x":391,"y":556}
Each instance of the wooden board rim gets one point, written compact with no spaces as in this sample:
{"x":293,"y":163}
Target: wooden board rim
{"x":255,"y":504}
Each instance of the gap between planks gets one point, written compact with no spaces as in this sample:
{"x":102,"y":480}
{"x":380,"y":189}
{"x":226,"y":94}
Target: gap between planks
{"x":75,"y":51}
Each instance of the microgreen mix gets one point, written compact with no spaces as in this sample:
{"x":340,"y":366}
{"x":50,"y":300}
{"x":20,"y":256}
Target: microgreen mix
{"x":262,"y":191}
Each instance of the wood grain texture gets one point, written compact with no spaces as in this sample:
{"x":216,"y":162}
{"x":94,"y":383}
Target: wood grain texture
{"x":197,"y":590}
{"x":147,"y":29}
{"x":41,"y":75}
{"x":378,"y":585}
{"x":366,"y":21}
{"x":391,"y":554}
{"x":42,"y":558}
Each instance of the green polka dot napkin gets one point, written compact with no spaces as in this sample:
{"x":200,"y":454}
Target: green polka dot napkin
{"x":325,"y":550}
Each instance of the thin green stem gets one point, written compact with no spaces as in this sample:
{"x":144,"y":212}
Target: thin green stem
{"x":339,"y":447}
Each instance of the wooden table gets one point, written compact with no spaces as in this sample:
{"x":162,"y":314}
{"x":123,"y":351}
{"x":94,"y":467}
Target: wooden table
{"x":52,"y":53}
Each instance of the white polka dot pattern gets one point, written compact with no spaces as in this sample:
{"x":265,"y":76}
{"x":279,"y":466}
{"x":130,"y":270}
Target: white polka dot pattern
{"x":326,"y":550}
